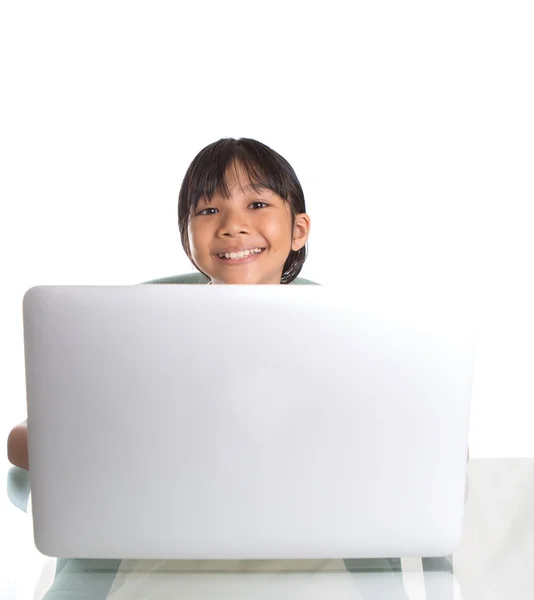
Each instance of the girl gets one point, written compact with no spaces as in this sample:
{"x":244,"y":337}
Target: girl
{"x":242,"y":220}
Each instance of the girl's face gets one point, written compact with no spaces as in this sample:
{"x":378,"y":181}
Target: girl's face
{"x":247,"y":237}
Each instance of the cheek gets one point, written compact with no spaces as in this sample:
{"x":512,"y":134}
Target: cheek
{"x":198,"y":240}
{"x":198,"y":230}
{"x":278,"y":231}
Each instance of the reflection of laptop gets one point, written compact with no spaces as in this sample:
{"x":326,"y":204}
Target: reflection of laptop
{"x":205,"y":422}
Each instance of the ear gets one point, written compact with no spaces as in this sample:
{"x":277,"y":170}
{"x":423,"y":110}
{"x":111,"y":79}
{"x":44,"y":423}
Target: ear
{"x":301,"y":231}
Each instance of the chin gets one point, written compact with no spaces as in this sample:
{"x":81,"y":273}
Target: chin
{"x":238,"y":279}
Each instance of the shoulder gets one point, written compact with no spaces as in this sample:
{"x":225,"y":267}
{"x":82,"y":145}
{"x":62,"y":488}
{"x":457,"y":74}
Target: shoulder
{"x":302,"y":281}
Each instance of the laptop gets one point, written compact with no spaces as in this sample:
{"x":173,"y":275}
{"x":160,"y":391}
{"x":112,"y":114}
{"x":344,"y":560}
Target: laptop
{"x":245,"y":422}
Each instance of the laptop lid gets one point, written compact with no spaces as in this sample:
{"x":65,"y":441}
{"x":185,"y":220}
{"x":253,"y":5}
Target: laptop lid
{"x":251,"y":422}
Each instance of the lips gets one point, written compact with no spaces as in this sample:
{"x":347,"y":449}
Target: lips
{"x":236,"y":250}
{"x":241,"y":256}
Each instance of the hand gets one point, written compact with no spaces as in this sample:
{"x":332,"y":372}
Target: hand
{"x":17,"y":446}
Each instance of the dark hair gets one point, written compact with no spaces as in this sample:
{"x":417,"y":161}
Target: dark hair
{"x":262,"y":165}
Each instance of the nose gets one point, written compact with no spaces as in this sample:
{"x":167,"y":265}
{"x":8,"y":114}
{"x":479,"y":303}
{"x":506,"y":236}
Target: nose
{"x":234,"y":222}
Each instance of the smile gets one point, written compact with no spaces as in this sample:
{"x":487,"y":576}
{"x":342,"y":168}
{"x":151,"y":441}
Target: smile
{"x":240,"y":255}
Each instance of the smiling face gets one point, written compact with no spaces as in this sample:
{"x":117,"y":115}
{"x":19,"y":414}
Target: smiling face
{"x":246,"y":237}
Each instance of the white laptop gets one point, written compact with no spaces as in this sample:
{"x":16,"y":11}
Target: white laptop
{"x":245,"y":422}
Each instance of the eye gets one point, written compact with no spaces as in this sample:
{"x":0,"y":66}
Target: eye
{"x":203,"y":211}
{"x":255,"y":204}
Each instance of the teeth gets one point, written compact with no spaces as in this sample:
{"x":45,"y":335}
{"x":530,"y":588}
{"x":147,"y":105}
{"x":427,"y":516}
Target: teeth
{"x":243,"y":254}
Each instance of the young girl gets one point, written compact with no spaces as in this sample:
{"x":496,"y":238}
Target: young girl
{"x":242,"y":220}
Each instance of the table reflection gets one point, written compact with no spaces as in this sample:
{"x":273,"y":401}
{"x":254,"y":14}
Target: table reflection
{"x":390,"y":579}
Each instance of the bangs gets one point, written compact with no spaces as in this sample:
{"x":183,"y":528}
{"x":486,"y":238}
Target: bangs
{"x":259,"y":169}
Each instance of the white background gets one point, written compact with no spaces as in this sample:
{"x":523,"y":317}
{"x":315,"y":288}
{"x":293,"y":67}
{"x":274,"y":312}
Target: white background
{"x":409,"y":124}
